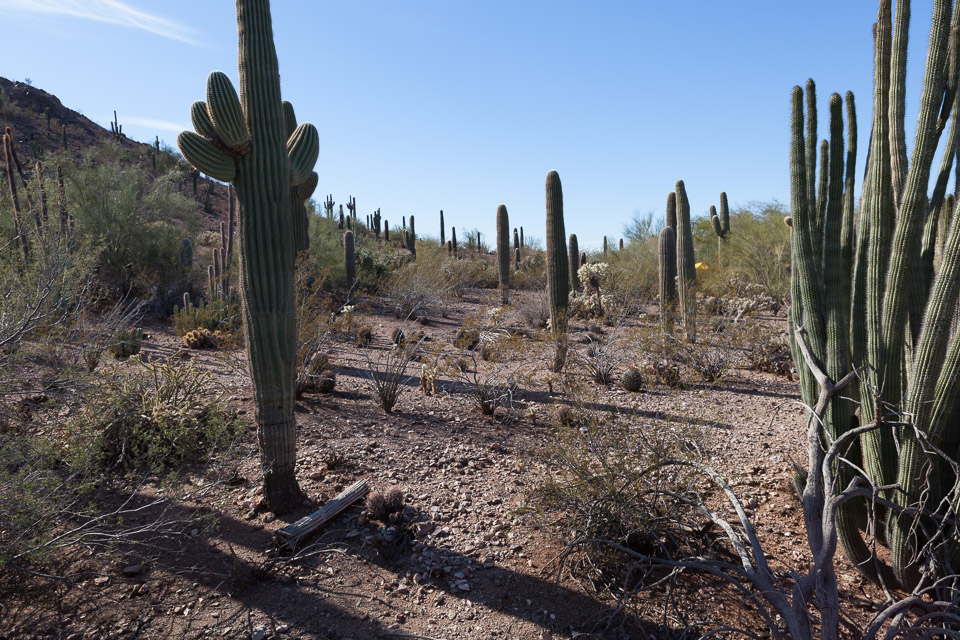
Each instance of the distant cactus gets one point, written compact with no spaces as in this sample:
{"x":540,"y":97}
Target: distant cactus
{"x":672,"y":210}
{"x":558,"y":271}
{"x":686,"y":265}
{"x":115,"y":127}
{"x":604,"y":245}
{"x":185,"y":255}
{"x":503,"y":252}
{"x":521,"y":238}
{"x":126,"y":343}
{"x":516,"y":258}
{"x":443,"y":237}
{"x":200,"y":339}
{"x":668,"y":278}
{"x":453,"y":236}
{"x":412,"y":239}
{"x":573,"y":256}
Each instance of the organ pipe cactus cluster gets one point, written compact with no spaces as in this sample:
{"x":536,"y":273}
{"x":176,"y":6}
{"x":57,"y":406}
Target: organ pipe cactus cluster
{"x":503,"y":252}
{"x":867,"y":304}
{"x":558,"y":269}
{"x":244,"y":140}
{"x":573,"y":256}
{"x":686,"y":265}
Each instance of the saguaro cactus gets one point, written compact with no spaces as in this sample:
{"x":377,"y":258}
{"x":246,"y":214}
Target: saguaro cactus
{"x":686,"y":265}
{"x":672,"y":211}
{"x":667,"y":254}
{"x":503,"y":252}
{"x":453,"y":238}
{"x":349,"y":258}
{"x":558,"y":274}
{"x":443,"y":237}
{"x":720,"y":224}
{"x":243,"y":140}
{"x":573,"y":256}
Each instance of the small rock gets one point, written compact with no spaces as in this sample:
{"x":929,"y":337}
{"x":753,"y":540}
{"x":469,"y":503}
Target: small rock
{"x":133,"y":569}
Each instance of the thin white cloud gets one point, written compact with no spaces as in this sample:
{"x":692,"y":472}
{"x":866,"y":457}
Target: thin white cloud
{"x":108,"y":11}
{"x":150,"y":123}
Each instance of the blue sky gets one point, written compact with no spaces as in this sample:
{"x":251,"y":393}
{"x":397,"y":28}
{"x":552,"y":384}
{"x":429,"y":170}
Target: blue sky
{"x":425,"y":105}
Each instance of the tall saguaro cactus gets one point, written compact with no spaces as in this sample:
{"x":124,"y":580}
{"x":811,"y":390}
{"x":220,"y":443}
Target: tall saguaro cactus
{"x":244,"y":140}
{"x":503,"y":252}
{"x":667,"y":254}
{"x":558,"y":274}
{"x":686,"y":265}
{"x":881,"y":315}
{"x":443,"y":237}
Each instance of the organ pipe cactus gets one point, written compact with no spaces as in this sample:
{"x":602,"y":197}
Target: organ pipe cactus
{"x":244,"y":140}
{"x":573,"y":255}
{"x":667,"y":255}
{"x":878,"y":315}
{"x":686,"y":265}
{"x":558,"y":274}
{"x":503,"y":252}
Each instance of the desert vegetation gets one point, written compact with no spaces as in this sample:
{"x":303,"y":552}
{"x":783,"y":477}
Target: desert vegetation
{"x":229,"y":409}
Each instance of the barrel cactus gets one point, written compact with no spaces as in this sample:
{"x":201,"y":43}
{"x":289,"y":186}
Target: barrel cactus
{"x":243,"y":139}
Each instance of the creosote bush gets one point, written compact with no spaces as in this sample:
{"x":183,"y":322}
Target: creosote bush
{"x":152,"y":415}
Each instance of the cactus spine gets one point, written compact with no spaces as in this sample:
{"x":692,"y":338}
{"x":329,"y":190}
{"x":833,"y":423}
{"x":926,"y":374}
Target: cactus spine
{"x":558,"y":273}
{"x":667,"y":256}
{"x":573,"y":256}
{"x":349,"y":258}
{"x":244,"y":141}
{"x":686,"y":265}
{"x":503,"y":252}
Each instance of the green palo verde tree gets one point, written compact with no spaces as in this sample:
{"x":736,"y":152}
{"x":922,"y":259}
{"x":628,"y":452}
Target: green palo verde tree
{"x":874,"y":303}
{"x":244,"y":141}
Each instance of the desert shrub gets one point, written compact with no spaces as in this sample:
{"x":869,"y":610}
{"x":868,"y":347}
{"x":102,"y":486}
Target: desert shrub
{"x":152,"y":415}
{"x":387,"y":375}
{"x":708,"y":357}
{"x":603,"y":480}
{"x":381,"y":504}
{"x":667,"y":373}
{"x":469,"y":273}
{"x":222,"y":313}
{"x":364,"y":336}
{"x":134,"y":222}
{"x":532,"y":274}
{"x":772,"y":355}
{"x":490,"y":390}
{"x":601,"y":360}
{"x":316,"y":324}
{"x":535,"y":310}
{"x":632,"y":274}
{"x":412,"y":289}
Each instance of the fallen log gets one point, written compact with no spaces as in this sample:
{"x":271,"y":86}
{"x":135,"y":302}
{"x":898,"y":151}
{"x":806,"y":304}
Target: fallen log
{"x":290,"y":536}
